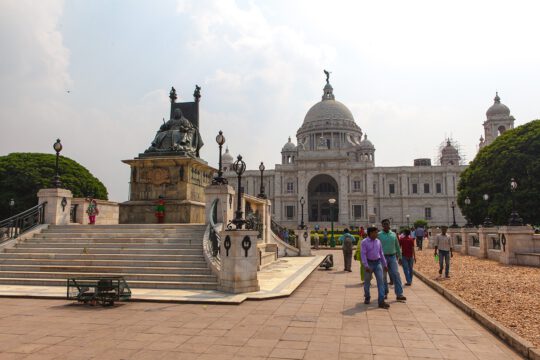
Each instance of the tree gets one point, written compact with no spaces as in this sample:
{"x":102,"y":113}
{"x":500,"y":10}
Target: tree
{"x":23,"y":174}
{"x":514,"y":154}
{"x":421,"y":223}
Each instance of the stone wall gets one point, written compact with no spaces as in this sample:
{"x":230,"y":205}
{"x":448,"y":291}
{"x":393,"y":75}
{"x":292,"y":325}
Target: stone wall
{"x":108,"y":211}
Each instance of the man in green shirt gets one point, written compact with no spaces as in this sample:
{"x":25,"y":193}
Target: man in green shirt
{"x":392,"y":252}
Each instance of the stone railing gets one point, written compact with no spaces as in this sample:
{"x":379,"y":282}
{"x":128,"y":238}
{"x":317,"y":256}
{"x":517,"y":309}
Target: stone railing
{"x":508,"y":244}
{"x":108,"y":211}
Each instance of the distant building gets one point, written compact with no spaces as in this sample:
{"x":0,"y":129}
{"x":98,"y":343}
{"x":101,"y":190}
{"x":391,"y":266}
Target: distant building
{"x":333,"y":158}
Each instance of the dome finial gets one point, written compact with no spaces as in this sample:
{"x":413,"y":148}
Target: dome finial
{"x":327,"y":73}
{"x":328,"y":91}
{"x":497,"y":99}
{"x":290,"y":139}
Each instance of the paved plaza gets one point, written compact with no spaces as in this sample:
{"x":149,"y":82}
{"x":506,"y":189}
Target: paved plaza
{"x":325,"y":318}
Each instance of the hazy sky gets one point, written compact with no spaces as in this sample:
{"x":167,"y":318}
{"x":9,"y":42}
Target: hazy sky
{"x":412,"y":73}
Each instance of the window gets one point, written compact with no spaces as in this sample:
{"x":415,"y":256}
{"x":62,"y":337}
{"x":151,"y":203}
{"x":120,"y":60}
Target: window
{"x":426,"y":188}
{"x":427,"y":213}
{"x":374,"y":188}
{"x":415,"y":188}
{"x":289,"y":212}
{"x":357,"y":186}
{"x":392,"y":188}
{"x":290,"y":187}
{"x":358,"y":211}
{"x":438,"y":186}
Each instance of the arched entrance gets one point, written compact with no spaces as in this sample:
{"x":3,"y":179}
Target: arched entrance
{"x":320,"y":189}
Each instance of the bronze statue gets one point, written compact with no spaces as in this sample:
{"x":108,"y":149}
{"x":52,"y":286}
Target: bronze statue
{"x":327,"y":73}
{"x":177,"y":135}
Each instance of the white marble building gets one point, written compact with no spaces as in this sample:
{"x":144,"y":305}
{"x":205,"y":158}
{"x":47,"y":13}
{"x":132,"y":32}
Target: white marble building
{"x":335,"y":159}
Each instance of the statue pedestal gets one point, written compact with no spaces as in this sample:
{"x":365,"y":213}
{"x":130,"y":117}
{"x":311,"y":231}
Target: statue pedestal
{"x":303,"y":241}
{"x":56,"y":213}
{"x":180,"y":180}
{"x":239,"y":261}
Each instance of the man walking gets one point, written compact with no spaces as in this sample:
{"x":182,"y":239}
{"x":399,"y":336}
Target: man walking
{"x":374,"y":262}
{"x":346,"y":241}
{"x":392,"y":253}
{"x":419,"y":232}
{"x":444,"y":244}
{"x":409,"y":256}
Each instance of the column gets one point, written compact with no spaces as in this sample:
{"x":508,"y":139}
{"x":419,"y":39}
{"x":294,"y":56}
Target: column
{"x":483,"y":239}
{"x":58,"y":205}
{"x":226,"y":196}
{"x":303,"y":241}
{"x":515,"y":239}
{"x":239,"y":261}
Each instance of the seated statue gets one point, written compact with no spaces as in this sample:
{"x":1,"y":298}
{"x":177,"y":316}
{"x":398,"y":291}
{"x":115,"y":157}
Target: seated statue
{"x":177,"y":134}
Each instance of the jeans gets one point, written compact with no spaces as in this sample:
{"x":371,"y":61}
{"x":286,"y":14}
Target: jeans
{"x":419,"y":240}
{"x":393,"y":271}
{"x":408,"y":263}
{"x":377,"y":269}
{"x":444,"y":255}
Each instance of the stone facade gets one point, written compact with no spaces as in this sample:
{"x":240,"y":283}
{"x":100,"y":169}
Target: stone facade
{"x":333,"y":158}
{"x":108,"y":211}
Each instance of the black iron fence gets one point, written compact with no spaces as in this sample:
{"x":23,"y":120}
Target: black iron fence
{"x":215,"y":239}
{"x":16,"y":225}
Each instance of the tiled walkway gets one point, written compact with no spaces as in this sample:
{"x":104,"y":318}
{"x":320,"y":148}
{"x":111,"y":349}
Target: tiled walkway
{"x":324,"y":319}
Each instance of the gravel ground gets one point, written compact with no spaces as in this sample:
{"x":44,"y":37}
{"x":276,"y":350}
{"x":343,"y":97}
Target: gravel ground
{"x":509,"y":294}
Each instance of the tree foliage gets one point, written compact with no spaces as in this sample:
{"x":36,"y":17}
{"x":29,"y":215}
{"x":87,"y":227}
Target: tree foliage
{"x":22,"y":175}
{"x":420,"y":223}
{"x":514,"y":154}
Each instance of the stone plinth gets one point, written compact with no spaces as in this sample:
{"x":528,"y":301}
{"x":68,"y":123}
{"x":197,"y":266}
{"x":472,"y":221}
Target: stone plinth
{"x":180,"y":180}
{"x":515,"y":239}
{"x":465,"y":239}
{"x":239,"y":261}
{"x":225,"y":195}
{"x":303,"y":241}
{"x":483,"y":237}
{"x":55,"y":212}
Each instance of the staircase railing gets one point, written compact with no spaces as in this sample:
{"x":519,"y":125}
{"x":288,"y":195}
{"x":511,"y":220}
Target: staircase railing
{"x":17,"y":225}
{"x":215,"y":238}
{"x":279,"y":230}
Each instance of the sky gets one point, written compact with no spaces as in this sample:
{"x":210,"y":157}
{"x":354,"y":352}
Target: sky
{"x":96,"y":74}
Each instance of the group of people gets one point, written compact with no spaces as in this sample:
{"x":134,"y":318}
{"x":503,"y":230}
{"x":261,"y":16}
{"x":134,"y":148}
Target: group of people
{"x":381,"y":252}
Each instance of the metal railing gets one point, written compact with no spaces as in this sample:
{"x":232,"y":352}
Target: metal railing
{"x":215,"y":239}
{"x":279,"y":230}
{"x":16,"y":225}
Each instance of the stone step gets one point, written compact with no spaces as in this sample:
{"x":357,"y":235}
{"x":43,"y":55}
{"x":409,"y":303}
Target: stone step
{"x":113,"y":235}
{"x":93,"y":250}
{"x":118,"y":240}
{"x":105,"y":269}
{"x":134,"y":284}
{"x":145,"y":227}
{"x":100,"y":245}
{"x":105,"y":256}
{"x":186,"y":278}
{"x":181,"y":264}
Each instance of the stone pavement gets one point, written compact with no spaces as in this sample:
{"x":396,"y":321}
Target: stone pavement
{"x":323,"y":319}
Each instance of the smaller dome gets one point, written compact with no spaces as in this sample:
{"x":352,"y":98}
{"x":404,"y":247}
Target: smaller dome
{"x":449,"y":149}
{"x":497,"y":109}
{"x":289,"y":146}
{"x":366,"y":144}
{"x":227,"y":157}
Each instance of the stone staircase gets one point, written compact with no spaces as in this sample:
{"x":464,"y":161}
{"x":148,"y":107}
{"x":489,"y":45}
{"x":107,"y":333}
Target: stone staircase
{"x":162,"y":256}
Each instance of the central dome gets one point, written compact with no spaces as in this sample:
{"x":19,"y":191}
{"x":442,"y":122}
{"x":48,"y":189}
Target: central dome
{"x":328,"y":114}
{"x":497,"y":109}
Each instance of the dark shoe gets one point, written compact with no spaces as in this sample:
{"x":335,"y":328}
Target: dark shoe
{"x":440,"y":272}
{"x":407,"y":284}
{"x":367,"y":301}
{"x":384,"y":305}
{"x":385,"y":297}
{"x":401,"y":298}
{"x":391,"y":283}
{"x":447,"y":276}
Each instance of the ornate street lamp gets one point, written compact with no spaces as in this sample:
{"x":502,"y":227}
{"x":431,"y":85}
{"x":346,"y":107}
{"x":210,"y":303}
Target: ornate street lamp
{"x":487,"y":220}
{"x":454,"y":225}
{"x":332,"y":239}
{"x":11,"y":206}
{"x":261,"y":192}
{"x":302,"y":202}
{"x":514,"y":220}
{"x":467,"y":204}
{"x":219,"y":179}
{"x":239,"y":168}
{"x":408,"y":217}
{"x":57,"y":146}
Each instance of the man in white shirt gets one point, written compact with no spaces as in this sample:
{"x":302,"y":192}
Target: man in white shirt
{"x":444,"y":244}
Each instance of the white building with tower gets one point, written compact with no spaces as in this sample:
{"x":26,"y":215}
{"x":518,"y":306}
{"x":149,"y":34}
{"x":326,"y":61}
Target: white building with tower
{"x":334,"y":159}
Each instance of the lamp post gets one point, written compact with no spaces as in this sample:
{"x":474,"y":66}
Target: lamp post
{"x":219,"y":179}
{"x":332,"y":239}
{"x":487,"y":220}
{"x":239,"y":167}
{"x":262,"y":195}
{"x":514,"y":220}
{"x":11,"y":206}
{"x":454,"y":225}
{"x":408,"y":217}
{"x":467,"y":203}
{"x":57,"y":146}
{"x":302,"y":202}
